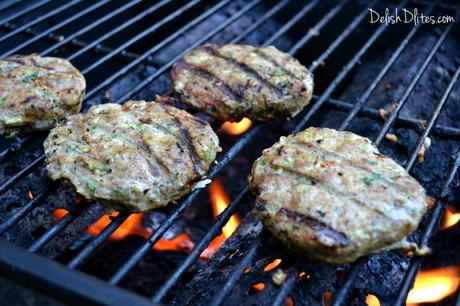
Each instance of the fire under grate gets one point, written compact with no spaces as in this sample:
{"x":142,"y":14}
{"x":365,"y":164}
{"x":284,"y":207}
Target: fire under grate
{"x":372,"y":79}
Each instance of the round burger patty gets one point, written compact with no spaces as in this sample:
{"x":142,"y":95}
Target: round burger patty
{"x":234,"y":81}
{"x":332,"y":196}
{"x":135,"y":157}
{"x":36,"y":92}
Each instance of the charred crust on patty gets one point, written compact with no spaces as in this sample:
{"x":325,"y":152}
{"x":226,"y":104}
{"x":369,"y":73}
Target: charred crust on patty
{"x":230,"y":82}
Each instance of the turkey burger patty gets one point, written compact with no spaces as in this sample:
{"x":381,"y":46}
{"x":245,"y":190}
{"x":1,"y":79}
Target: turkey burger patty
{"x":333,"y":196}
{"x":132,"y":157}
{"x":36,"y":92}
{"x":234,"y":81}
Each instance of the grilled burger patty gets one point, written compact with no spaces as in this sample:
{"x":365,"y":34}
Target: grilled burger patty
{"x":235,"y":81}
{"x":332,"y":196}
{"x":36,"y":92}
{"x":135,"y":157}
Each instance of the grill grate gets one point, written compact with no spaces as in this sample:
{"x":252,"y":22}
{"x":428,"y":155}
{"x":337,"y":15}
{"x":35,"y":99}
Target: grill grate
{"x":15,"y":27}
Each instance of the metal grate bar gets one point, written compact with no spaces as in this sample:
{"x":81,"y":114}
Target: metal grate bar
{"x":165,"y":67}
{"x":286,"y":288}
{"x":340,"y":77}
{"x":97,"y":242}
{"x":362,"y":101}
{"x":6,"y":185}
{"x":89,"y":249}
{"x":432,"y":226}
{"x":176,"y":275}
{"x":313,"y":32}
{"x":39,"y":19}
{"x":412,"y":85}
{"x":338,"y":40}
{"x":141,"y":35}
{"x":56,"y":38}
{"x":57,"y":228}
{"x":296,"y":18}
{"x":433,"y":119}
{"x":241,"y":195}
{"x":237,"y":271}
{"x":259,"y":22}
{"x":50,"y":277}
{"x":418,"y":125}
{"x":91,"y":26}
{"x":222,"y":163}
{"x":84,"y":254}
{"x":5,"y":6}
{"x":427,"y":234}
{"x":137,"y":256}
{"x":24,"y":210}
{"x":41,"y":158}
{"x":16,"y":146}
{"x":37,"y":4}
{"x":157,"y":47}
{"x":119,"y":28}
{"x":165,"y":225}
{"x":55,"y":27}
{"x":343,"y":292}
{"x":215,"y":230}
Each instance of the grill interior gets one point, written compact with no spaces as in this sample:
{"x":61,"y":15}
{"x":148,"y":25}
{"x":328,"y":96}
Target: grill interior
{"x":125,"y":50}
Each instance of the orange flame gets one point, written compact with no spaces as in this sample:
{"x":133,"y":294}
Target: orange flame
{"x":236,"y":128}
{"x":30,"y":194}
{"x":59,"y":213}
{"x":259,"y":286}
{"x":434,"y":285}
{"x":289,"y":301}
{"x":133,"y":226}
{"x":372,"y":300}
{"x":327,"y":298}
{"x":451,"y":217}
{"x":272,"y":265}
{"x":219,"y":202}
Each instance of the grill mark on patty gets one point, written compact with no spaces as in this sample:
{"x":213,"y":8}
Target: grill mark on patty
{"x":187,"y":139}
{"x":154,"y":171}
{"x":160,"y":164}
{"x":268,"y":58}
{"x":320,"y":228}
{"x":225,"y":89}
{"x":34,"y":64}
{"x":252,"y":74}
{"x":338,"y":193}
{"x":342,"y":159}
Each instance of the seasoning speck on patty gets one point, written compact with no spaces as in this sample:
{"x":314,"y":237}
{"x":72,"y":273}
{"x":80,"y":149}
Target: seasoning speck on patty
{"x":333,"y":196}
{"x":132,"y":157}
{"x":234,"y":81}
{"x":36,"y":92}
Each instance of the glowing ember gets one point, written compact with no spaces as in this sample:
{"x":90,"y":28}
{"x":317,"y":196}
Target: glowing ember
{"x":451,"y":217}
{"x":133,"y":226}
{"x":259,"y":286}
{"x":30,"y":194}
{"x":289,"y":301}
{"x":60,"y":213}
{"x":301,"y":276}
{"x":236,"y":128}
{"x":372,"y":300}
{"x":272,"y":265}
{"x":434,"y":285}
{"x":327,"y":298}
{"x":219,"y":202}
